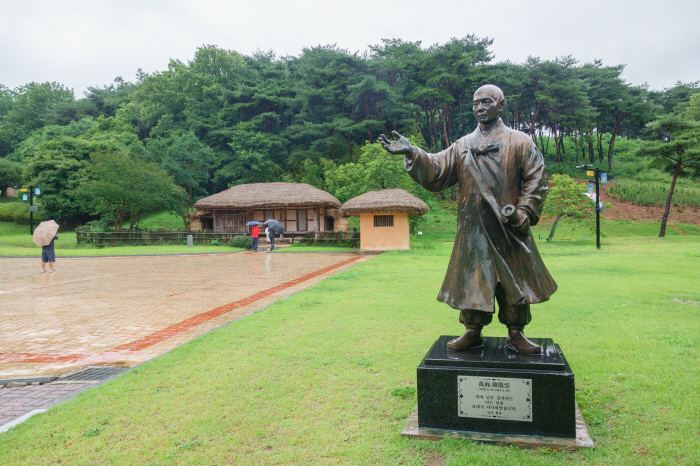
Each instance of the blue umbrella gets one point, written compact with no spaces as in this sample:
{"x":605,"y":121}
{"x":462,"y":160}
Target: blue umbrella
{"x":254,"y":222}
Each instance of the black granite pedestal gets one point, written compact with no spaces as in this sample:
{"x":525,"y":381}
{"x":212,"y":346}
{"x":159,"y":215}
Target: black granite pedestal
{"x":496,"y":390}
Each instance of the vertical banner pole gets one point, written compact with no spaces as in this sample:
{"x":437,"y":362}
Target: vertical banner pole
{"x":31,"y":212}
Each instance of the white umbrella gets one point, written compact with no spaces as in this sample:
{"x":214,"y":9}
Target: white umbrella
{"x":44,"y":233}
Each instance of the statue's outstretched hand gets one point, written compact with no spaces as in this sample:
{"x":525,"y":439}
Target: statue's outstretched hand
{"x":400,"y":146}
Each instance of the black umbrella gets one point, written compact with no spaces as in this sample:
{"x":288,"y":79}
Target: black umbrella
{"x":275,"y":226}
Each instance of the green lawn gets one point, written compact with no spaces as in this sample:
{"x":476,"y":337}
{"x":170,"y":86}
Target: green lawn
{"x":166,"y":220}
{"x":309,"y":379}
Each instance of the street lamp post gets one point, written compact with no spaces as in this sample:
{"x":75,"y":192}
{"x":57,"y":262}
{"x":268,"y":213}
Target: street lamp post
{"x":32,"y":207}
{"x":597,"y":208}
{"x":595,"y":172}
{"x":31,"y":211}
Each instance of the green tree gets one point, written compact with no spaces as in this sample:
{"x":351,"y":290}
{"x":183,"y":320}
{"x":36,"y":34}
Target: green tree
{"x":265,"y":117}
{"x":676,"y":144}
{"x":10,"y":174}
{"x":253,"y":158}
{"x":376,"y":169}
{"x":29,"y":146}
{"x":563,"y":99}
{"x":64,"y":112}
{"x":119,"y":188}
{"x":108,"y":99}
{"x":566,"y":199}
{"x":58,"y":165}
{"x":30,"y":104}
{"x":436,"y":83}
{"x":693,"y":109}
{"x":58,"y":169}
{"x":620,"y":108}
{"x":675,"y":98}
{"x":6,"y":100}
{"x":185,"y":158}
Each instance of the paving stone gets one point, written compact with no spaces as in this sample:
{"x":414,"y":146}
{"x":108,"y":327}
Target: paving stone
{"x":27,"y":398}
{"x":131,"y":309}
{"x":127,"y":310}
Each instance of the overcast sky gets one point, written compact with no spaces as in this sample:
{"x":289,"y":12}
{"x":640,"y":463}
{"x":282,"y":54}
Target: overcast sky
{"x":89,"y":43}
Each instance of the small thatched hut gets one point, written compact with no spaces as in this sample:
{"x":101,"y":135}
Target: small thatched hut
{"x":384,"y":218}
{"x":199,"y":220}
{"x":299,"y":206}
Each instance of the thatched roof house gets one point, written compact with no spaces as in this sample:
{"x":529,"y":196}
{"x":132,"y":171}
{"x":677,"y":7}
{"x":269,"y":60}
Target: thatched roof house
{"x":385,"y":200}
{"x":269,"y":196}
{"x":299,"y":206}
{"x":384,"y":218}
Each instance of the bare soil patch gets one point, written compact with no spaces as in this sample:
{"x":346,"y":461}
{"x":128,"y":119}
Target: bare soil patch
{"x":625,"y":210}
{"x":434,"y":459}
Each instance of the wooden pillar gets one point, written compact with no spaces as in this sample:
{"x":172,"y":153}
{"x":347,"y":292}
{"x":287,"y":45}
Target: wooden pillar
{"x":315,"y":218}
{"x":213,"y":220}
{"x":285,"y":219}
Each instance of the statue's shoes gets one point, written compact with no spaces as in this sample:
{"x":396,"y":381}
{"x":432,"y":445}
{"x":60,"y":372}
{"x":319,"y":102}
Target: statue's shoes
{"x":517,"y":341}
{"x":470,"y":340}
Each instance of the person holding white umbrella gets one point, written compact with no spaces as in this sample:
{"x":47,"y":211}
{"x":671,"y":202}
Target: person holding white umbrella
{"x":44,"y":235}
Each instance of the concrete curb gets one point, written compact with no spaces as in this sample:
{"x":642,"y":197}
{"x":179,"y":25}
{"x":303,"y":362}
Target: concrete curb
{"x":20,"y":420}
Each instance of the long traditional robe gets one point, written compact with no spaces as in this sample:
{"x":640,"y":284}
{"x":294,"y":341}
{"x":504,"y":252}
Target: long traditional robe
{"x":482,"y":257}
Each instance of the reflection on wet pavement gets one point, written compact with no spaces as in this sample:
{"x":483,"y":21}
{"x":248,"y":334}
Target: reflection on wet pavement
{"x":127,"y":310}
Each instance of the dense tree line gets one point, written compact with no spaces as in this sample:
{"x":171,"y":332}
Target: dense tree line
{"x":224,"y":118}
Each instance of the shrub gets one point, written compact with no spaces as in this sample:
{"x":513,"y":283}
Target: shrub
{"x":654,"y":194}
{"x":630,"y":169}
{"x":245,"y":242}
{"x":18,"y":212}
{"x":554,"y":168}
{"x":331,"y":238}
{"x":95,"y":225}
{"x":215,"y":242}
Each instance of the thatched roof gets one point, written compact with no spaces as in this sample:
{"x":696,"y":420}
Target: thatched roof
{"x":385,"y":200}
{"x":268,"y":196}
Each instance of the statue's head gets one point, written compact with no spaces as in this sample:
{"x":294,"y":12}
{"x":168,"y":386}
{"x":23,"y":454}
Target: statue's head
{"x":488,"y":102}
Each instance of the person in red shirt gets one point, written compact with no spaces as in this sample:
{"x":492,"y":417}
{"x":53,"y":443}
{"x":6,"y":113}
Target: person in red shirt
{"x":256,"y":237}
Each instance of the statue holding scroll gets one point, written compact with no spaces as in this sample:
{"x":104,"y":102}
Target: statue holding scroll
{"x":502,"y":188}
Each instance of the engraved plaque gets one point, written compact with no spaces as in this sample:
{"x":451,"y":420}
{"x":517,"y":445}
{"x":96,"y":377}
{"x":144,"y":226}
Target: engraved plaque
{"x":495,"y":398}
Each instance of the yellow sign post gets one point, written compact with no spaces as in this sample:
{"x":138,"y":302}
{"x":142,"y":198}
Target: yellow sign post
{"x":590,"y":173}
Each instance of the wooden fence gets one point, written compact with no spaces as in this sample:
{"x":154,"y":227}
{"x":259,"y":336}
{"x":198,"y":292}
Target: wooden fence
{"x":327,"y":238}
{"x":146,"y":237}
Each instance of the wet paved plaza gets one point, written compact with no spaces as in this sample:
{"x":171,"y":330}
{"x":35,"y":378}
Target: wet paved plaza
{"x":127,"y":310}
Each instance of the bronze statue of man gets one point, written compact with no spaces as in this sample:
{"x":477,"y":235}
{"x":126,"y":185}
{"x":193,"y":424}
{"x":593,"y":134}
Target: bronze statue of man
{"x":494,"y":255}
